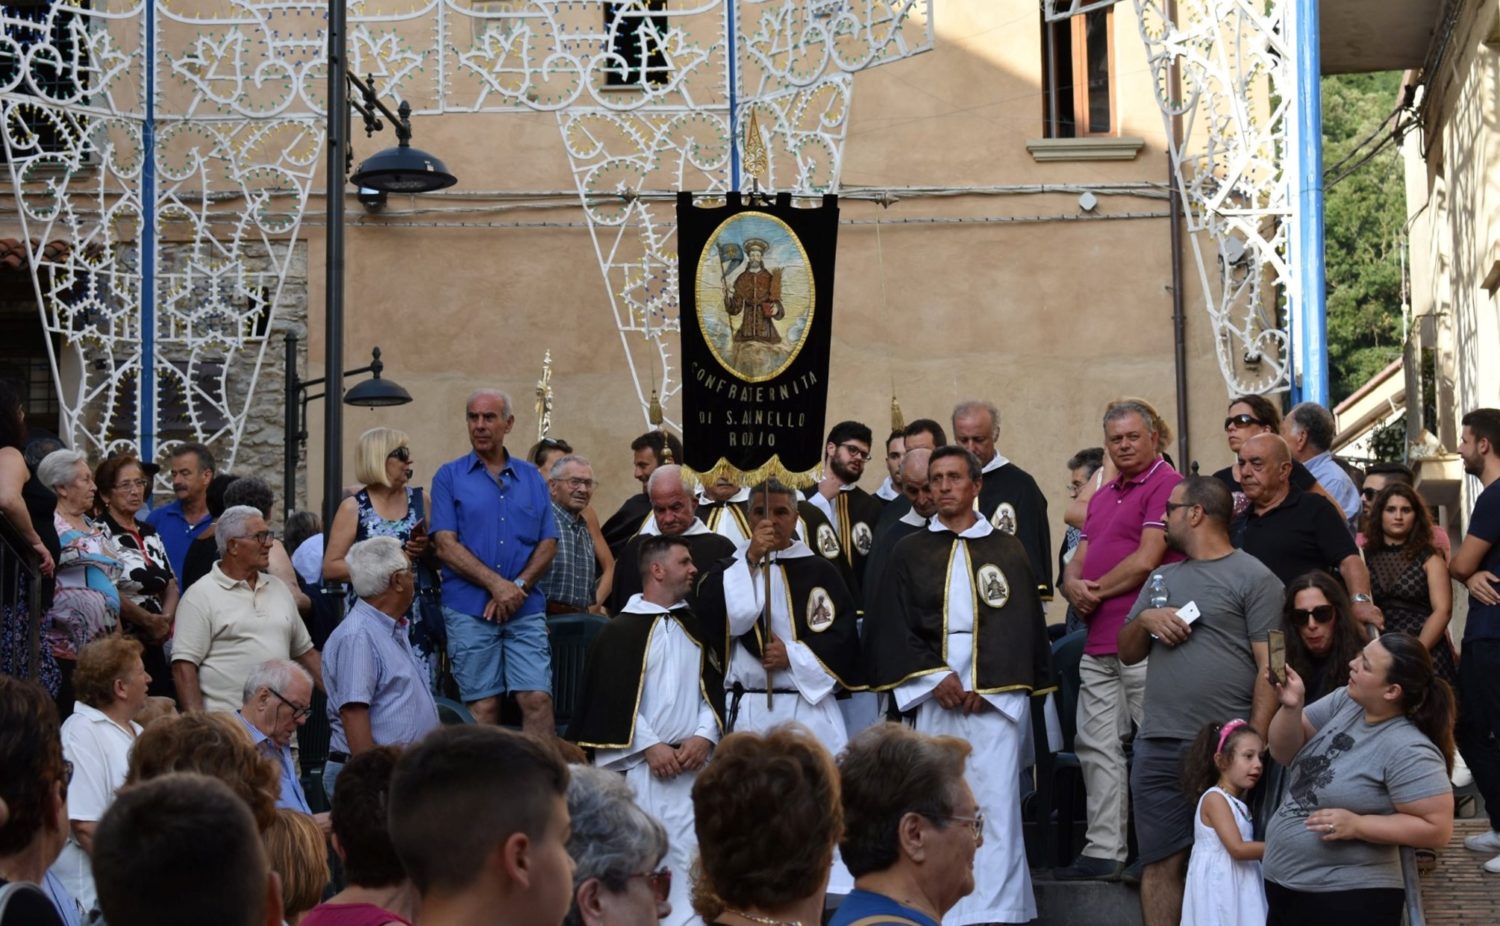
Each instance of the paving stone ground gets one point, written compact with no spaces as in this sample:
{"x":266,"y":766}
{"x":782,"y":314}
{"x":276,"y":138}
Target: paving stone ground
{"x":1458,"y":889}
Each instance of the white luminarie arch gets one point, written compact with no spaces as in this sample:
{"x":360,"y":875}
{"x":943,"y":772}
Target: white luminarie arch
{"x":233,"y":91}
{"x":1233,"y":163}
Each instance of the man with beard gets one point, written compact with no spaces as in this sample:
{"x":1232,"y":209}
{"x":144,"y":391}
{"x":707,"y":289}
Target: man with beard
{"x":957,"y":635}
{"x":1010,"y":500}
{"x":852,"y":511}
{"x":1477,"y":565}
{"x":1210,"y":670}
{"x":674,"y":513}
{"x":895,"y":449}
{"x":652,"y":700}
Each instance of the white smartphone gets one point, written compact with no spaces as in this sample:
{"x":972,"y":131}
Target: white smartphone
{"x":1189,"y":612}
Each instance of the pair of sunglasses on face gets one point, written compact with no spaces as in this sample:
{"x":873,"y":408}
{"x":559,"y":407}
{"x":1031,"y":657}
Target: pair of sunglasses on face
{"x":1322,"y":614}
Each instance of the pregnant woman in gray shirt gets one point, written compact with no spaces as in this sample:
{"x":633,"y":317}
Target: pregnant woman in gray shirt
{"x":1369,"y":773}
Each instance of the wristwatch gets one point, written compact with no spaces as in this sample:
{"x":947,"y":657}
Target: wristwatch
{"x":1362,"y":598}
{"x":521,"y":584}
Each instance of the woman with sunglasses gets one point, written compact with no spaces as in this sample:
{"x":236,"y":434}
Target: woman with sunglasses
{"x":1408,"y":576}
{"x":618,"y":850}
{"x":1248,"y":416}
{"x":388,"y":506}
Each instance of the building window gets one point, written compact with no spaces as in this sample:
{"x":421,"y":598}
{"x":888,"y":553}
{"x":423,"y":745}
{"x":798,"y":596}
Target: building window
{"x":636,"y":30}
{"x":1078,"y":64}
{"x":58,"y":77}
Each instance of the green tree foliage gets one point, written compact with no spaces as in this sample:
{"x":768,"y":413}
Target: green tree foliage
{"x":1363,"y":217}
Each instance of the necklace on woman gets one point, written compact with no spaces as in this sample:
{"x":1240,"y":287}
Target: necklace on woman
{"x":766,"y":920}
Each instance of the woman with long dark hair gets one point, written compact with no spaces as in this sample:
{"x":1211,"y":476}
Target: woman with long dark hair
{"x":1369,"y":767}
{"x":1408,"y":576}
{"x":1322,"y":636}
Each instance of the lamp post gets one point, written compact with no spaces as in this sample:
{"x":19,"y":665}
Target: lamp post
{"x":374,"y":392}
{"x":402,"y":169}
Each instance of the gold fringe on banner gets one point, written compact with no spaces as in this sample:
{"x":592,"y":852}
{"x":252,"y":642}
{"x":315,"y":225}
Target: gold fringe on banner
{"x":771,"y":469}
{"x":898,"y":420}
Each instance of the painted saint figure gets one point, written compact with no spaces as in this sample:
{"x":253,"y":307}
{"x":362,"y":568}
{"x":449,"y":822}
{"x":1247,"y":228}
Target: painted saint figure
{"x":756,"y":294}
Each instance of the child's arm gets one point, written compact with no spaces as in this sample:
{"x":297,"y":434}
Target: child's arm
{"x":1218,"y":814}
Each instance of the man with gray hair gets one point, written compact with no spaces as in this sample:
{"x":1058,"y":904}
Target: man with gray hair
{"x":1309,"y":430}
{"x":235,"y":618}
{"x":1009,"y":497}
{"x":377,"y":688}
{"x":674,"y":513}
{"x":570,"y":584}
{"x":1124,"y":540}
{"x":494,"y":530}
{"x":277,"y":699}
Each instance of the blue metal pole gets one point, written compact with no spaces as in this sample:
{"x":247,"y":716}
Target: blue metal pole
{"x":1311,"y":349}
{"x":146,"y":381}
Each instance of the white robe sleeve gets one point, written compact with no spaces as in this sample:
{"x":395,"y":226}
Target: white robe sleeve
{"x":808,"y":675}
{"x":743,"y":595}
{"x":912,"y":693}
{"x":708,"y":723}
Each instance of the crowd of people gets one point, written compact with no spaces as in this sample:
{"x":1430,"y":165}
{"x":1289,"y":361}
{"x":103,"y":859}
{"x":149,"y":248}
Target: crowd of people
{"x":791,"y":694}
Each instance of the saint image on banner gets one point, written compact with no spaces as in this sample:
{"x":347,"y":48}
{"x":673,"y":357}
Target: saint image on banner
{"x":755,"y":295}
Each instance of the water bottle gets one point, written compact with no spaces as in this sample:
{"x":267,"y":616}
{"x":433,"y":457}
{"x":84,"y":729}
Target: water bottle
{"x":1156,"y":591}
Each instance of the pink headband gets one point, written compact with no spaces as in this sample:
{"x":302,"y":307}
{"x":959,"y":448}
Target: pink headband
{"x":1226,"y":731}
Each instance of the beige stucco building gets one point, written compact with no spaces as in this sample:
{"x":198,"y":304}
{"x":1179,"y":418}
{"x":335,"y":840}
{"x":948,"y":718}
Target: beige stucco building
{"x":998,"y":241}
{"x":996,"y":288}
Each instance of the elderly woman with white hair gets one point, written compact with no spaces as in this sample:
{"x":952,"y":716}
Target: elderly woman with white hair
{"x":377,"y":688}
{"x":617,"y":850}
{"x":86,"y":604}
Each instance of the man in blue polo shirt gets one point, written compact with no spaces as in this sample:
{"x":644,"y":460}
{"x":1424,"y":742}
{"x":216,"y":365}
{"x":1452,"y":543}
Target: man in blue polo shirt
{"x":495,"y":533}
{"x":180,"y":522}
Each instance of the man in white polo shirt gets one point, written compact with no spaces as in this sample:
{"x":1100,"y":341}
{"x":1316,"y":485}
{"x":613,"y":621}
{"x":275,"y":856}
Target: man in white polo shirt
{"x":235,"y":618}
{"x":110,"y":684}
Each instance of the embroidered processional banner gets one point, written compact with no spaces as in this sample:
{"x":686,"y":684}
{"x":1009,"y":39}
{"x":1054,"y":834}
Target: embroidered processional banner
{"x":757,"y":322}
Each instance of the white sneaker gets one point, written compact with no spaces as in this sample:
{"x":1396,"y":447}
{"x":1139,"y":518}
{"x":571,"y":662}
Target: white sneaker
{"x":1493,"y":865}
{"x":1487,"y":841}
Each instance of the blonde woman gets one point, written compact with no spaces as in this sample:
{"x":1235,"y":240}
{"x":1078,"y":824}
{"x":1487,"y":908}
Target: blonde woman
{"x":388,"y":506}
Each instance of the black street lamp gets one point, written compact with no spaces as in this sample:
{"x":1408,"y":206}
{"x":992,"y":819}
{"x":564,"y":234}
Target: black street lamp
{"x":374,"y":392}
{"x":402,"y":169}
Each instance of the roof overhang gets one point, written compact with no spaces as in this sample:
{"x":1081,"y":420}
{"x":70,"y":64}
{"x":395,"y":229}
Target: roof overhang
{"x":1376,"y":35}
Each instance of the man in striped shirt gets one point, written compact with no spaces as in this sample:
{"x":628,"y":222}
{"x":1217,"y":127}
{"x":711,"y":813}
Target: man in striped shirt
{"x":570,"y":584}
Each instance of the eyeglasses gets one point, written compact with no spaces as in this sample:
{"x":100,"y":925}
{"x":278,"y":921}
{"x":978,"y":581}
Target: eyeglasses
{"x":1369,"y":494}
{"x":976,"y":823}
{"x":576,"y":482}
{"x":1242,"y":421}
{"x":129,"y":484}
{"x":298,"y":713}
{"x":402,"y":453}
{"x":1173,"y":506}
{"x":855,"y":451}
{"x":264,"y":538}
{"x":660,"y":882}
{"x":1322,"y":613}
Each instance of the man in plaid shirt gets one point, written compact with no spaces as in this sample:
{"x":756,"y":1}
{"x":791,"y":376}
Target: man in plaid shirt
{"x":571,"y":585}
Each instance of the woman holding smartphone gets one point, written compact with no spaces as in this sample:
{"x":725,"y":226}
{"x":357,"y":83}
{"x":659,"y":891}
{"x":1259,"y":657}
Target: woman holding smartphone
{"x":388,"y":506}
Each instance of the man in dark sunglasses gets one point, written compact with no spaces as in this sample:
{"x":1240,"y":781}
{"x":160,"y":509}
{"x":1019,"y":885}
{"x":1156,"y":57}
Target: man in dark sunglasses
{"x":1202,"y":669}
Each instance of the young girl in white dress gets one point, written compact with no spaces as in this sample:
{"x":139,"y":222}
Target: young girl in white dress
{"x":1224,"y":883}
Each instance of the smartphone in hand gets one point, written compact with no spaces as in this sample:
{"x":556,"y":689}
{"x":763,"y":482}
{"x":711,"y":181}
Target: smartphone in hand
{"x":1276,"y":643}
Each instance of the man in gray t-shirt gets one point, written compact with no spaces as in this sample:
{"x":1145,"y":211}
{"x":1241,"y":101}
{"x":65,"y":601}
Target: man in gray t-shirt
{"x":1209,"y":671}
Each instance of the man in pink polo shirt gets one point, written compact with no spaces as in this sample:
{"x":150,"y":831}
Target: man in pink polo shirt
{"x":1124,"y":540}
